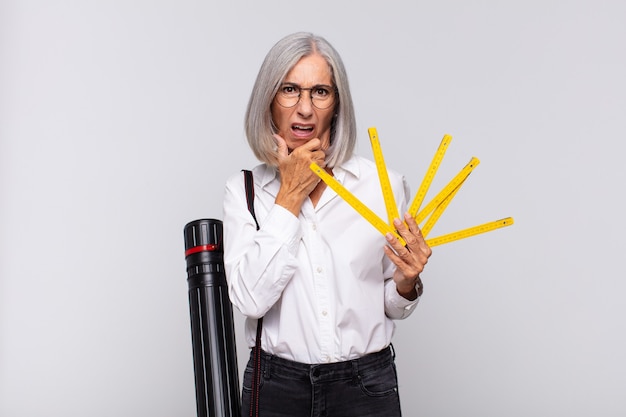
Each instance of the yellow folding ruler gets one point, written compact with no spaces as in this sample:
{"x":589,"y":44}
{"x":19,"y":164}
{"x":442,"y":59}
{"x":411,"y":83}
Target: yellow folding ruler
{"x":470,"y":231}
{"x":356,"y":204}
{"x":434,"y":208}
{"x":430,"y":174}
{"x":385,"y":185}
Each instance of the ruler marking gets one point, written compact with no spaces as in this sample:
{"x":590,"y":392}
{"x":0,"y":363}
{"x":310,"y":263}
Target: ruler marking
{"x":383,"y":176}
{"x":449,"y":188}
{"x":469,"y":232}
{"x":436,"y":206}
{"x":439,"y":211}
{"x":430,"y":174}
{"x":356,"y":204}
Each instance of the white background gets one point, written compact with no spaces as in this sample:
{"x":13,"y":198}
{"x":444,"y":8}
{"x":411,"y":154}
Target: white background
{"x":120,"y":121}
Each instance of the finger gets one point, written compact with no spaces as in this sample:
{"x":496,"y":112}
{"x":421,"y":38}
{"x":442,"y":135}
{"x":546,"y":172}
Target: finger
{"x":312,"y":145}
{"x":414,"y":227}
{"x":412,"y":224}
{"x":281,"y":144}
{"x":308,"y":147}
{"x":417,"y":232}
{"x":398,"y":247}
{"x":409,"y":237}
{"x":392,"y":255}
{"x":319,"y":157}
{"x":404,"y":260}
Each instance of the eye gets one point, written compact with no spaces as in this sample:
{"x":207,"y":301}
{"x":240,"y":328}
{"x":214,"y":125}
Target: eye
{"x":290,"y":90}
{"x":321,"y":91}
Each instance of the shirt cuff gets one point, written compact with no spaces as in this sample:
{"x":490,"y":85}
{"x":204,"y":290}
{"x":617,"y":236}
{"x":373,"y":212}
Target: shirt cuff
{"x":400,"y":303}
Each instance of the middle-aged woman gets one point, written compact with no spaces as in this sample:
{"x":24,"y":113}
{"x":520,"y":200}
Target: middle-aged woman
{"x":326,"y":284}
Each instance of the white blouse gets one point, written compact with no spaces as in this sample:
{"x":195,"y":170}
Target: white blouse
{"x":321,"y":281}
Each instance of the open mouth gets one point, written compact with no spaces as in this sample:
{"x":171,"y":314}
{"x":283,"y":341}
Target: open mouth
{"x":302,"y":128}
{"x":302,"y":131}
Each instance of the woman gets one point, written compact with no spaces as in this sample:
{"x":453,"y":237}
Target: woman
{"x":326,"y":283}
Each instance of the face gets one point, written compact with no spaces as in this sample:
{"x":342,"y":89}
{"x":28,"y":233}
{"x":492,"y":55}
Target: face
{"x":303,"y":122}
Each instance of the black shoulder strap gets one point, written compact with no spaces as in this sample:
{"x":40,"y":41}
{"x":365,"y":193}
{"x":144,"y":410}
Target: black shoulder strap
{"x":256,"y":378}
{"x":249,"y":181}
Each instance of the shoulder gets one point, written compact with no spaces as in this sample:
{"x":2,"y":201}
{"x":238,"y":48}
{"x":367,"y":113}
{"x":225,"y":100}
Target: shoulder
{"x":365,"y":168}
{"x":259,"y":172}
{"x":364,"y":171}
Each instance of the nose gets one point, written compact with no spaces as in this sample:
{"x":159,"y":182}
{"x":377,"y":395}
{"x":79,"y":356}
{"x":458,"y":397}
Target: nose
{"x":305,"y":104}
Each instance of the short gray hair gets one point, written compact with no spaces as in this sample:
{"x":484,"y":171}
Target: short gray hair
{"x":283,"y":56}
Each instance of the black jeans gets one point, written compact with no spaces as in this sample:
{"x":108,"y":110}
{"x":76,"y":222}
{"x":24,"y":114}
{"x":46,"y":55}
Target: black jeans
{"x":365,"y":387}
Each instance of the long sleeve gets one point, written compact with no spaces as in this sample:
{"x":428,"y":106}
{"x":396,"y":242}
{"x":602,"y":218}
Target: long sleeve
{"x":396,"y":306}
{"x":259,"y":264}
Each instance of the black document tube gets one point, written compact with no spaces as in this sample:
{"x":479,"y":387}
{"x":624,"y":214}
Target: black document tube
{"x":212,"y":327}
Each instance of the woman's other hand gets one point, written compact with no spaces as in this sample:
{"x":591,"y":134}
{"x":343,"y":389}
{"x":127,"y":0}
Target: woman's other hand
{"x":410,"y":259}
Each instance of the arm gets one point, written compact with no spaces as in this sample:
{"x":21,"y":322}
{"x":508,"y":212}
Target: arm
{"x":403,"y":290}
{"x":259,"y":264}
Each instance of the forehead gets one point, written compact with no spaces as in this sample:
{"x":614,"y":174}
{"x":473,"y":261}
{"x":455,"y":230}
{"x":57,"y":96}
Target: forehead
{"x":310,"y":70}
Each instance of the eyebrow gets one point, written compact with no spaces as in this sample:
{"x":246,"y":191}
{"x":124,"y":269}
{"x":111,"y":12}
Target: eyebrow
{"x":313,"y":86}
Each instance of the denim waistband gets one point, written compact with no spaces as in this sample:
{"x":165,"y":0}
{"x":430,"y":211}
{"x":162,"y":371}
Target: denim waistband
{"x":324,"y":372}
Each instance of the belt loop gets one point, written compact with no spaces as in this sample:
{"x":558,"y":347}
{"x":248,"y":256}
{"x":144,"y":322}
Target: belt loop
{"x":393,"y":351}
{"x":267,"y":368}
{"x":355,"y":372}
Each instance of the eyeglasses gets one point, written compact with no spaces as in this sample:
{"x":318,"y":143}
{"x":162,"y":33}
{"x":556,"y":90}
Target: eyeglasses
{"x":322,"y":96}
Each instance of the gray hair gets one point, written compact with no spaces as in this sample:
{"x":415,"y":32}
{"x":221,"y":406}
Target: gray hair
{"x":283,"y":56}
